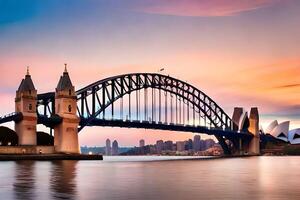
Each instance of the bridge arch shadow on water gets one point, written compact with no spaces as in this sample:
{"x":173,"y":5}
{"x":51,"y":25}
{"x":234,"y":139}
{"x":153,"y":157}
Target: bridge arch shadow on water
{"x":150,"y":101}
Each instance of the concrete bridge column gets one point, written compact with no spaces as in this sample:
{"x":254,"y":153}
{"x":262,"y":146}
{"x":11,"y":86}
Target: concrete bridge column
{"x":254,"y":145}
{"x":66,"y":133}
{"x":25,"y":103}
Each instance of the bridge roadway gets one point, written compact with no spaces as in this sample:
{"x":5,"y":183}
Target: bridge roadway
{"x":135,"y":124}
{"x":169,"y":127}
{"x":14,"y":116}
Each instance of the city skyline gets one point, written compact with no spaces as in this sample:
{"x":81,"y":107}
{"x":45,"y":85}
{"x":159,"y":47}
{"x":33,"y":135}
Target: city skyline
{"x":256,"y":39}
{"x":192,"y":146}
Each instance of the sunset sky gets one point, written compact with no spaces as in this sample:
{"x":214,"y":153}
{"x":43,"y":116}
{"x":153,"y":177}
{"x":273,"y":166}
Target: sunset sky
{"x":239,"y":52}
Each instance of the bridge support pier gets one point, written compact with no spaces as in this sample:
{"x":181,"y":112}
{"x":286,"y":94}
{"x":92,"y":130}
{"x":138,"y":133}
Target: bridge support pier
{"x":254,"y":145}
{"x":66,"y":136}
{"x":241,"y":122}
{"x":243,"y":147}
{"x":66,"y":133}
{"x":224,"y":145}
{"x":25,"y":103}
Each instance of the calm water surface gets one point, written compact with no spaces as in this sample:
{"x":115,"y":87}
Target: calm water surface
{"x":151,"y":178}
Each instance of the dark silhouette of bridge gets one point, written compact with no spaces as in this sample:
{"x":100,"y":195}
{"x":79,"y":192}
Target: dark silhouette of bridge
{"x":149,"y":101}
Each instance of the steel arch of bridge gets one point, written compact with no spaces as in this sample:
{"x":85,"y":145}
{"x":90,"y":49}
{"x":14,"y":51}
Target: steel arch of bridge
{"x":96,"y":99}
{"x":114,"y":88}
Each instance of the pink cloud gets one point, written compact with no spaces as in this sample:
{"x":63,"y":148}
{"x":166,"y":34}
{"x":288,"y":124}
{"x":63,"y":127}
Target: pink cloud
{"x":7,"y":103}
{"x":206,"y":8}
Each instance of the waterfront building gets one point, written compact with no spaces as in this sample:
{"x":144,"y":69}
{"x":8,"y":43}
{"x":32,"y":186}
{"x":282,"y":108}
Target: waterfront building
{"x":159,"y":146}
{"x":180,"y":146}
{"x":271,"y":126}
{"x":115,"y":148}
{"x":168,"y":145}
{"x":209,"y":143}
{"x":152,"y":149}
{"x":196,"y":144}
{"x":174,"y":148}
{"x":294,"y":136}
{"x":281,"y":131}
{"x":142,"y":143}
{"x":108,"y":148}
{"x":189,"y":145}
{"x":202,"y":145}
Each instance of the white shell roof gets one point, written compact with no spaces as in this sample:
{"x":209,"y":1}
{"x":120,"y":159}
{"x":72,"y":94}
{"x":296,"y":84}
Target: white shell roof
{"x":272,"y":125}
{"x":294,"y":136}
{"x":281,"y":131}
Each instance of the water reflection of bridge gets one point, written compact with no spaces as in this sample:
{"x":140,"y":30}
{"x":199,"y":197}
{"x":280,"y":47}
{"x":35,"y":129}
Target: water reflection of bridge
{"x":61,"y":178}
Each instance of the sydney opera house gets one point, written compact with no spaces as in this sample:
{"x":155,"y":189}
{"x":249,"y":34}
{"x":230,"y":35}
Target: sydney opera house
{"x":281,"y":131}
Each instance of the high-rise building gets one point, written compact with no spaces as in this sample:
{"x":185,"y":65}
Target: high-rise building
{"x":209,"y":143}
{"x":189,"y":144}
{"x":196,"y":145}
{"x":202,"y":145}
{"x":159,"y":146}
{"x":174,"y":147}
{"x":152,"y":149}
{"x":180,"y":145}
{"x":108,"y":148}
{"x":115,"y":148}
{"x":168,"y":145}
{"x":142,"y":143}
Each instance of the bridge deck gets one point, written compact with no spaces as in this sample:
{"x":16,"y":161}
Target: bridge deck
{"x":169,"y":127}
{"x":15,"y":116}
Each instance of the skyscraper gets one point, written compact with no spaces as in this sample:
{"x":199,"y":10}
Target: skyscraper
{"x":115,"y":148}
{"x":159,"y":146}
{"x":209,"y":143}
{"x":168,"y":145}
{"x":202,"y":145}
{"x":180,"y":146}
{"x":142,"y":143}
{"x":108,"y":148}
{"x":189,"y":145}
{"x":197,"y":144}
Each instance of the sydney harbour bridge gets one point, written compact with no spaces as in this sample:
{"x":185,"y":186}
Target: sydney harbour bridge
{"x":140,"y":100}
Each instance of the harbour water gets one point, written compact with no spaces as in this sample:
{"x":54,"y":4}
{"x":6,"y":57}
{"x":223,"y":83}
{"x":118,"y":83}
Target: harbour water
{"x":152,"y":178}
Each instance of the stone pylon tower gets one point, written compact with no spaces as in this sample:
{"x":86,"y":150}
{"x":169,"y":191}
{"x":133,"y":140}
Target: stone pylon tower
{"x":25,"y":103}
{"x":66,"y":133}
{"x":254,"y":147}
{"x":236,"y":117}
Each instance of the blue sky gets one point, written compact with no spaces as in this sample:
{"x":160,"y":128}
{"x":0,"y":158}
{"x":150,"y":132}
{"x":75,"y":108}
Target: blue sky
{"x":239,"y":52}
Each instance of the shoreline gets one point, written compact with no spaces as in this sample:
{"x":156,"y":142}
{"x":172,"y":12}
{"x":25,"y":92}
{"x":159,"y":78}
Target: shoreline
{"x":52,"y":157}
{"x":168,"y":158}
{"x":49,"y":157}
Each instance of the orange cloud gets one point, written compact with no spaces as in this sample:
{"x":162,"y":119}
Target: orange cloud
{"x":206,"y":8}
{"x":289,"y":86}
